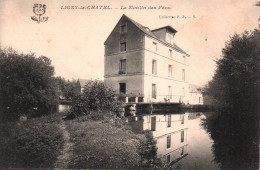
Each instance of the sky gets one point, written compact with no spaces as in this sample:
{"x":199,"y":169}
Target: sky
{"x":74,"y":38}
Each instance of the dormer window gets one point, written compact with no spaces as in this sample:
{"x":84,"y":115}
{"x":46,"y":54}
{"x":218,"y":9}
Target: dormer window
{"x":123,"y":28}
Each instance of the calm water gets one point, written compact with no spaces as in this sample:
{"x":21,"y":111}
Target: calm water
{"x":181,"y":139}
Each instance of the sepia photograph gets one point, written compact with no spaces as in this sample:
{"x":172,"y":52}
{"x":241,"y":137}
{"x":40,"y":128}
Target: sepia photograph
{"x":151,"y":84}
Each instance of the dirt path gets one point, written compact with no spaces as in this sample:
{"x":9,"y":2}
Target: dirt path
{"x":66,"y":151}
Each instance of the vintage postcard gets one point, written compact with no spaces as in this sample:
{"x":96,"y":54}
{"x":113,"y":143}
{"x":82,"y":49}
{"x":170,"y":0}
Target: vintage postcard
{"x":126,"y":84}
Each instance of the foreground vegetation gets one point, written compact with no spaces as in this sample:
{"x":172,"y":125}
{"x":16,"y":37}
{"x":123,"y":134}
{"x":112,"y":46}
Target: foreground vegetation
{"x":39,"y":143}
{"x":34,"y":143}
{"x":100,"y":144}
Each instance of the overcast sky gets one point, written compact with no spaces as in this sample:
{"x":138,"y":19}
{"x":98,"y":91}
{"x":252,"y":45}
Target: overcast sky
{"x":74,"y":39}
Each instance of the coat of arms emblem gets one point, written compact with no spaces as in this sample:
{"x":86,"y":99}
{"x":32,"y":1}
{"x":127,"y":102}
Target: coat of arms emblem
{"x":39,"y":10}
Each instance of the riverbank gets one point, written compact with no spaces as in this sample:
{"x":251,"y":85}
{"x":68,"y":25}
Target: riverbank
{"x":99,"y":144}
{"x":34,"y":143}
{"x":48,"y":142}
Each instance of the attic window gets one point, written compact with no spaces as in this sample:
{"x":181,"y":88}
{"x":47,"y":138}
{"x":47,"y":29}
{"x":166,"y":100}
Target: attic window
{"x":123,"y":28}
{"x":147,"y":29}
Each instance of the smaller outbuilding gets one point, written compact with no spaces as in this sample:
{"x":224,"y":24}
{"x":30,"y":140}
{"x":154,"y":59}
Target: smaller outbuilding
{"x":195,"y":95}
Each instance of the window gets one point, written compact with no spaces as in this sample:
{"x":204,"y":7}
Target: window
{"x":154,"y":67}
{"x":131,"y":99}
{"x":155,"y":46}
{"x":170,"y":70}
{"x":184,"y":59}
{"x":169,"y":37}
{"x":122,"y":66}
{"x":122,"y":46}
{"x":170,"y":52}
{"x":169,"y":121}
{"x":154,"y":91}
{"x":183,"y":91}
{"x":182,"y":136}
{"x":123,"y":28}
{"x":153,"y":123}
{"x":183,"y":74}
{"x":170,"y":92}
{"x":122,"y":88}
{"x":168,"y":141}
{"x":140,"y":99}
{"x":199,"y":99}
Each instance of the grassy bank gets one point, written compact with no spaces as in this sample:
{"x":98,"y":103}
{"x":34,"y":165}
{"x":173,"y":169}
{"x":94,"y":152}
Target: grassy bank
{"x":34,"y":143}
{"x":39,"y":143}
{"x":99,"y":144}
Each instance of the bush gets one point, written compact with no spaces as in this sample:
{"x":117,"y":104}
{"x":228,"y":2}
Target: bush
{"x":27,"y":85}
{"x":96,"y":97}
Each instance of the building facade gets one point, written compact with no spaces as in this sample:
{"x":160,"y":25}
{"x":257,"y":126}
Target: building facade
{"x":144,"y":65}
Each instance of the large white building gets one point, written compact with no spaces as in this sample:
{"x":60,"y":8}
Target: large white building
{"x":144,"y":65}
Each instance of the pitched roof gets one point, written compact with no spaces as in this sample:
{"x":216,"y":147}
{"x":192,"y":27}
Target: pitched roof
{"x":194,"y":89}
{"x":167,"y":27}
{"x":148,"y":32}
{"x":83,"y":82}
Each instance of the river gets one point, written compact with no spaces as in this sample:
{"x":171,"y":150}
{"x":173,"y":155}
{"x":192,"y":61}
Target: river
{"x":182,"y":139}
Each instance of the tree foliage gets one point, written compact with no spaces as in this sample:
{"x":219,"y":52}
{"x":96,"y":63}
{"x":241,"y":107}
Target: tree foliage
{"x":235,"y":85}
{"x":68,"y":89}
{"x":96,"y":96}
{"x":235,"y":91}
{"x":26,"y":84}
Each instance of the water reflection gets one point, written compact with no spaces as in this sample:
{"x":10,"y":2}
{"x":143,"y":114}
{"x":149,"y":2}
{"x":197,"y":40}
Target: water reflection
{"x":181,"y":140}
{"x":235,"y":140}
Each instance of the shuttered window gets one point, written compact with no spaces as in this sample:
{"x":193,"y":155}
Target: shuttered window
{"x":122,"y":66}
{"x":154,"y":91}
{"x":168,"y":141}
{"x":154,"y":67}
{"x":182,"y":136}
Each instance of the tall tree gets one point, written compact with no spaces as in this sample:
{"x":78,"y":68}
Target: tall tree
{"x":235,"y":85}
{"x":235,"y":90}
{"x":68,"y":89}
{"x":27,"y":84}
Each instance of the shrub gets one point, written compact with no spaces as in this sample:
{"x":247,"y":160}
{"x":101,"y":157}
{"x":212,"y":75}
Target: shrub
{"x":96,"y":97}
